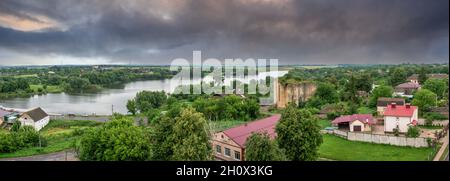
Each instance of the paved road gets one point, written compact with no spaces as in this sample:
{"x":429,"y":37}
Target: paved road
{"x":68,"y":155}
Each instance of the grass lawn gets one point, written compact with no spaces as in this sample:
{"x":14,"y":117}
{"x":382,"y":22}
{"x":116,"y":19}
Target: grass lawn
{"x":323,"y":123}
{"x":337,"y":148}
{"x":25,"y":76}
{"x":365,"y":110}
{"x":58,"y":134}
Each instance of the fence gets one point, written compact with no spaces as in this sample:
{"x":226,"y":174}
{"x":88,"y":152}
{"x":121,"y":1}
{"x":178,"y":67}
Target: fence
{"x":382,"y":139}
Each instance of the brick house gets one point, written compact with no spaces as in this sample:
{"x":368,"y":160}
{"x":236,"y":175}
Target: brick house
{"x":229,"y":145}
{"x":355,"y":122}
{"x":400,"y":117}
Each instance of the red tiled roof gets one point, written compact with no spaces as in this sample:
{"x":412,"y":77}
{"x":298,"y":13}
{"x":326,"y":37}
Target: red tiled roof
{"x":408,"y":85}
{"x":365,"y":118}
{"x":240,"y":134}
{"x":400,"y":111}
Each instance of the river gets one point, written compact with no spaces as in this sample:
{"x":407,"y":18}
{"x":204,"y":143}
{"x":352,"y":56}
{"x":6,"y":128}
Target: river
{"x":101,"y":103}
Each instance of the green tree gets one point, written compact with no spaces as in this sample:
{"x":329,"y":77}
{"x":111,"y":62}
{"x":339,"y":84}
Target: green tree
{"x":147,"y":100}
{"x":327,"y":93}
{"x":191,"y":137}
{"x":117,"y":140}
{"x":422,"y":77}
{"x":259,"y":147}
{"x":363,"y":82}
{"x":424,"y":99}
{"x":380,"y":91}
{"x":397,"y":76}
{"x":437,"y":86}
{"x":16,"y":126}
{"x":299,"y":134}
{"x":131,"y":106}
{"x":77,"y":84}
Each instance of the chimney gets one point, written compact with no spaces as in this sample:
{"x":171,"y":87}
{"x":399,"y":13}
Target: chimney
{"x":407,"y":105}
{"x":393,"y":105}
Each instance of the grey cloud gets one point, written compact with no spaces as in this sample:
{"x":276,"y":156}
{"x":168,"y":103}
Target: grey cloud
{"x":296,"y":32}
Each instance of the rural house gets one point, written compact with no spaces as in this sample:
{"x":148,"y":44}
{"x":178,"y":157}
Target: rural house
{"x":36,"y":118}
{"x":229,"y":145}
{"x":383,"y":102}
{"x":400,"y":117}
{"x":406,"y":89}
{"x":355,"y":122}
{"x":415,"y":77}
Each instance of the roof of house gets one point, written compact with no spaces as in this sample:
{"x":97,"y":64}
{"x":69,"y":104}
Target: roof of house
{"x":438,"y":76}
{"x":408,"y":85}
{"x":240,"y":134}
{"x":413,"y":77}
{"x":400,"y":111}
{"x":36,"y":114}
{"x":435,"y":76}
{"x":384,"y":101}
{"x":364,"y":118}
{"x":4,"y":113}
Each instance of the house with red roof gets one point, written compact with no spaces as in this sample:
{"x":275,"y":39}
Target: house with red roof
{"x":400,"y":117}
{"x":355,"y":122}
{"x":229,"y":145}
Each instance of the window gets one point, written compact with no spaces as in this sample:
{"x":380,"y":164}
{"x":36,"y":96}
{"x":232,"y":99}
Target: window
{"x":237,"y":155}
{"x":227,"y":152}
{"x":218,"y":149}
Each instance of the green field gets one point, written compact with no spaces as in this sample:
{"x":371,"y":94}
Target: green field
{"x":336,"y":148}
{"x":59,"y":136}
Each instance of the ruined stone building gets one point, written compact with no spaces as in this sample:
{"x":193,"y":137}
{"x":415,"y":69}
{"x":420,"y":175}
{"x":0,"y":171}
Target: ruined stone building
{"x":293,"y":92}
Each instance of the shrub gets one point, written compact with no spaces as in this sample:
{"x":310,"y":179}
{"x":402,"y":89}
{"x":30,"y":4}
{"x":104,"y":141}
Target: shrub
{"x":413,"y":132}
{"x":396,"y":131}
{"x":332,"y":115}
{"x":24,"y":137}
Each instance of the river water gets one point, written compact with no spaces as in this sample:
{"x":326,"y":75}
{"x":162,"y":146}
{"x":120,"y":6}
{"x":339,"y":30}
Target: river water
{"x":104,"y":102}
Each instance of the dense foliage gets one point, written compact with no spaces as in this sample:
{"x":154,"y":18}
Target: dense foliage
{"x":259,"y":147}
{"x":413,"y":132}
{"x":299,"y":134}
{"x":23,"y":137}
{"x":230,"y":107}
{"x":23,"y":82}
{"x":118,"y":140}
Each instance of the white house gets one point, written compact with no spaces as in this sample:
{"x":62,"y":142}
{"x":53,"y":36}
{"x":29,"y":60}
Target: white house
{"x":400,"y":117}
{"x":36,"y":118}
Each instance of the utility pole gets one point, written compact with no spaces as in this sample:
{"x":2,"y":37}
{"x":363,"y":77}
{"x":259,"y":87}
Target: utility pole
{"x":112,"y":109}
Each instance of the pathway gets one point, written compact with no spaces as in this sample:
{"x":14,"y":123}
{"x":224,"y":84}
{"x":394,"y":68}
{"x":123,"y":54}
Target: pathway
{"x":68,"y":155}
{"x":441,"y":151}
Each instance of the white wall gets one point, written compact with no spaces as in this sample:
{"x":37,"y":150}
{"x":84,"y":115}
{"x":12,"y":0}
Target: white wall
{"x":26,"y":121}
{"x":356,"y":123}
{"x":38,"y":125}
{"x":391,"y":122}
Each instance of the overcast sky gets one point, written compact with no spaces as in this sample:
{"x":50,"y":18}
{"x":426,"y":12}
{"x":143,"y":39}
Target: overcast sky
{"x":157,"y":31}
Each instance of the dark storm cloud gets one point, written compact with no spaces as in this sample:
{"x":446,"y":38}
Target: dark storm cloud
{"x":296,"y":32}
